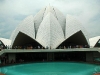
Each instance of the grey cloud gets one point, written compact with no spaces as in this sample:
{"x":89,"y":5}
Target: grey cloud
{"x":12,"y":12}
{"x":95,"y":18}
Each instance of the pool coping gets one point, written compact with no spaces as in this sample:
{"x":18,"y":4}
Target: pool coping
{"x":11,"y":64}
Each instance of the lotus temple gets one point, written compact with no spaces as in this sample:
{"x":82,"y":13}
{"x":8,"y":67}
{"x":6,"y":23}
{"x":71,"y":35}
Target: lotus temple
{"x":50,"y":36}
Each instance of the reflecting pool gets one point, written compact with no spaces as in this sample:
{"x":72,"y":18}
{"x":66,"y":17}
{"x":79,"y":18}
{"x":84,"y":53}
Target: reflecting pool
{"x":51,"y":68}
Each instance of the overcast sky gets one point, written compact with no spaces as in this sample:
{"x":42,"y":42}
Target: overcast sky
{"x":12,"y":12}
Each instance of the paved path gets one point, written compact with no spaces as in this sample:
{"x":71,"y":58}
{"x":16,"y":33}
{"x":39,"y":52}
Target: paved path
{"x":2,"y":74}
{"x":97,"y":74}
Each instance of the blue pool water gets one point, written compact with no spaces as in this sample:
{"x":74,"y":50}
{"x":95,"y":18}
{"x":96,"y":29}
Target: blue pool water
{"x":50,"y":68}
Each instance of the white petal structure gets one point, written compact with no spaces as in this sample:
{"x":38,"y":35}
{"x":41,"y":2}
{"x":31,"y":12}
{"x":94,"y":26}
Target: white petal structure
{"x":50,"y":32}
{"x":94,"y":41}
{"x":38,"y":19}
{"x":42,"y":13}
{"x":49,"y":27}
{"x":5,"y":41}
{"x":58,"y":15}
{"x":26,"y":27}
{"x":61,"y":19}
{"x":73,"y":26}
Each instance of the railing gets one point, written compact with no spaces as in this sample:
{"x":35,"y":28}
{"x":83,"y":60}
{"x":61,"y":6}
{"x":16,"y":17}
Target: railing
{"x":47,"y":50}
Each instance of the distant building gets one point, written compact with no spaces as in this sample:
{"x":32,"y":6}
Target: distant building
{"x":95,"y":41}
{"x":50,"y":28}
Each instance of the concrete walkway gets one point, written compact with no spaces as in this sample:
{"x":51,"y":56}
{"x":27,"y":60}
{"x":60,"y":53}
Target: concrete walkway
{"x":47,"y":50}
{"x":97,"y":74}
{"x":2,"y":74}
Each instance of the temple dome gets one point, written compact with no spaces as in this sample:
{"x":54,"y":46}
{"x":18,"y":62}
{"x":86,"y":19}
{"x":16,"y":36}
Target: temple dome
{"x":49,"y":27}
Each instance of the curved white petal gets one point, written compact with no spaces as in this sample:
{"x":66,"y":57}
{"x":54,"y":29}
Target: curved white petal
{"x":94,"y":40}
{"x":58,"y":15}
{"x":26,"y":27}
{"x":5,"y":41}
{"x":42,"y":13}
{"x":50,"y":32}
{"x":38,"y":18}
{"x":61,"y":18}
{"x":73,"y":26}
